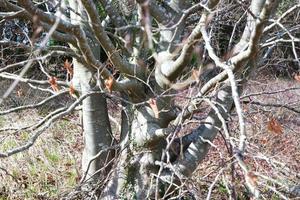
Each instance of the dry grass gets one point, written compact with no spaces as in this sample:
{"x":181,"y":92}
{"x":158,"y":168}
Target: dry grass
{"x":274,"y":156}
{"x":48,"y":169}
{"x":52,"y":166}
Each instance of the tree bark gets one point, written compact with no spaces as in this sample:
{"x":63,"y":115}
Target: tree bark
{"x":96,"y":126}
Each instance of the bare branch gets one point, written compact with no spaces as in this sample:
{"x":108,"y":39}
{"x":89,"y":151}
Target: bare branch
{"x":106,"y":43}
{"x":276,"y":105}
{"x":33,"y":105}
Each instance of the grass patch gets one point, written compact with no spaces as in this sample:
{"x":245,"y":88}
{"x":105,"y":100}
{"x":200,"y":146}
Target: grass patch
{"x":53,"y":157}
{"x":8,"y":144}
{"x":47,"y":169}
{"x":2,"y":121}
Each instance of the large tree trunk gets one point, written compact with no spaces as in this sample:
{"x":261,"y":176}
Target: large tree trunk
{"x":133,"y":175}
{"x":96,"y":126}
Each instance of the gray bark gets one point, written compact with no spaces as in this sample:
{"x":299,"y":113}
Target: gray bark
{"x":96,"y":126}
{"x":145,"y":124}
{"x":133,"y":173}
{"x":198,"y":147}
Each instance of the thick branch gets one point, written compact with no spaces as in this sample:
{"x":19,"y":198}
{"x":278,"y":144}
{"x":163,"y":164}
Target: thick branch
{"x":106,"y":43}
{"x":198,"y":149}
{"x":24,"y":14}
{"x":49,"y":19}
{"x":168,"y":70}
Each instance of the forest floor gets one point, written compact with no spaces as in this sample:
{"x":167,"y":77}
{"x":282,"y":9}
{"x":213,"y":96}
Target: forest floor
{"x":51,"y":168}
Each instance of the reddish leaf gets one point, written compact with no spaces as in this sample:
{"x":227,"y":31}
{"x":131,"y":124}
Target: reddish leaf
{"x":50,"y":179}
{"x":264,"y":141}
{"x":109,"y":83}
{"x":68,"y":66}
{"x":297,"y":77}
{"x":274,"y":126}
{"x":153,"y":105}
{"x":73,"y":92}
{"x":52,"y":80}
{"x":251,"y":178}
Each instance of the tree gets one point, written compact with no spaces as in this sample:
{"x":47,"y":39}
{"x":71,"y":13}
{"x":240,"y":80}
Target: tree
{"x":144,"y":54}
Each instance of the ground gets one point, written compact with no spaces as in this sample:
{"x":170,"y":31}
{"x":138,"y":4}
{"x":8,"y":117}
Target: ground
{"x":51,"y":168}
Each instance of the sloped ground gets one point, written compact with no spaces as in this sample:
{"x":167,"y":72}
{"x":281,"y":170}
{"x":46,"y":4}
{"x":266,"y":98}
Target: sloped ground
{"x":51,"y":168}
{"x":272,"y":156}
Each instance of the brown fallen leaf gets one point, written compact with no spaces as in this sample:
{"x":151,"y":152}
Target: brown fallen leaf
{"x":251,"y":178}
{"x":20,"y":92}
{"x":274,"y":126}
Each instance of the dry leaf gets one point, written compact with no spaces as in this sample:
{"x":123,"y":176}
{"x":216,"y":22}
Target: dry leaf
{"x":264,"y":141}
{"x":50,"y":179}
{"x":68,"y":66}
{"x":297,"y":77}
{"x":109,"y":83}
{"x":251,"y":178}
{"x":274,"y":126}
{"x":153,"y":105}
{"x":195,"y":75}
{"x":52,"y":80}
{"x":20,"y":92}
{"x":73,"y":92}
